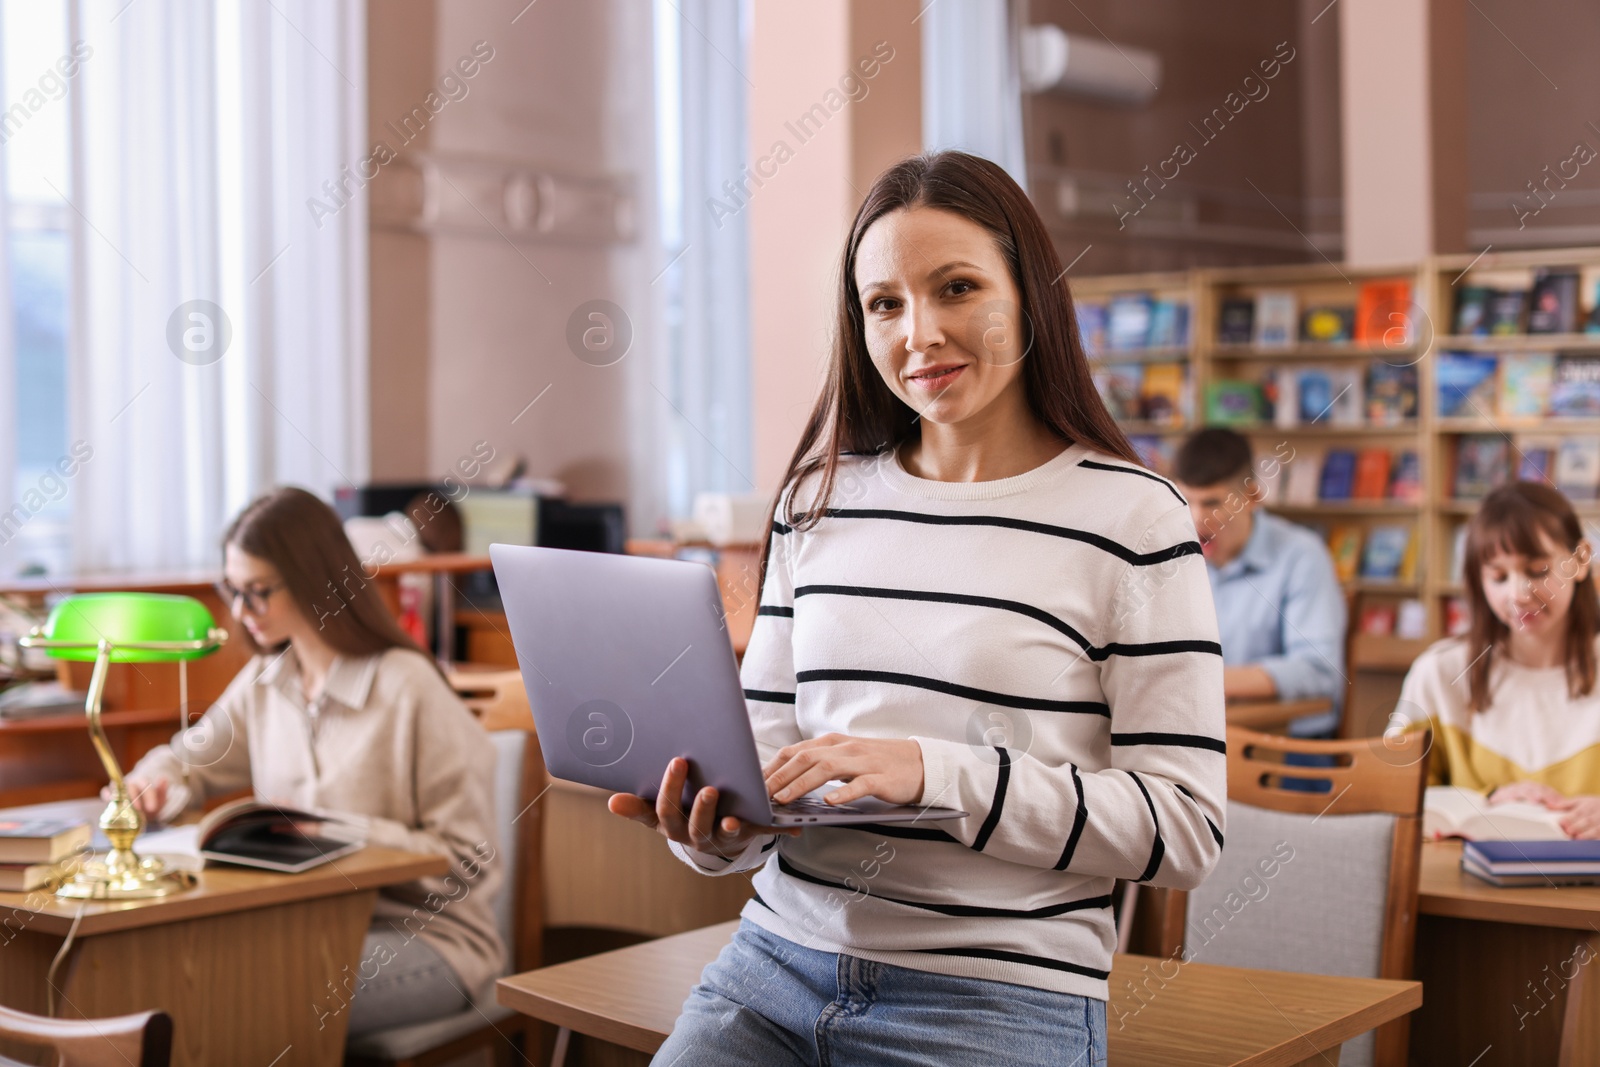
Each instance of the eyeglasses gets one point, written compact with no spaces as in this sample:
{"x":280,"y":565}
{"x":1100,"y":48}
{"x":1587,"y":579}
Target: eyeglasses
{"x":255,"y":597}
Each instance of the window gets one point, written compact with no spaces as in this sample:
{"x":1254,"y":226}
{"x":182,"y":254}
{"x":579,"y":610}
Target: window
{"x":36,"y":506}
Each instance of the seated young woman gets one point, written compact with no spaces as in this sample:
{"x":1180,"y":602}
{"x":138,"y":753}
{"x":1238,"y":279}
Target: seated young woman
{"x":1512,"y":704}
{"x":339,"y":711}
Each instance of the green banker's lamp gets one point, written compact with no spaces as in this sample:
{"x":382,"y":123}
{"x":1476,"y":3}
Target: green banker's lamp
{"x":112,"y":628}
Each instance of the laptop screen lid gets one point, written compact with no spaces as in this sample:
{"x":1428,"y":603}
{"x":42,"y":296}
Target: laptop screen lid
{"x":628,"y":663}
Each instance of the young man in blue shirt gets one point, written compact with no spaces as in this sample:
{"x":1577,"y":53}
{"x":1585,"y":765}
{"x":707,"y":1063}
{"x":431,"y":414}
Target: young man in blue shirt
{"x":1280,"y":610}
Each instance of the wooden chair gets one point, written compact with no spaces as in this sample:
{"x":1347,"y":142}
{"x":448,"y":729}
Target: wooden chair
{"x":1333,"y":887}
{"x":500,"y":702}
{"x":142,"y":1040}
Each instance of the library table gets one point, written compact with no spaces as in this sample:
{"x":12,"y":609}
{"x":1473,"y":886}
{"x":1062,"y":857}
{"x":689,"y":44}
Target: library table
{"x":1511,"y":974}
{"x":1201,"y":1016}
{"x":249,"y":964}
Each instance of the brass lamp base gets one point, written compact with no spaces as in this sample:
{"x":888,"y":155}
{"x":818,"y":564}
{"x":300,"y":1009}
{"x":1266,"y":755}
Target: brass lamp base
{"x":122,"y":875}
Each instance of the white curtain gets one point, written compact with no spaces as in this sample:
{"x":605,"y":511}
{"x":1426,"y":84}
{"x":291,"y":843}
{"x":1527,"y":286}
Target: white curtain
{"x":217,"y":149}
{"x":703,"y":401}
{"x":971,"y":80}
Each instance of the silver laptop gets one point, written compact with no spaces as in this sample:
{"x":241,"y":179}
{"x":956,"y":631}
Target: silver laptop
{"x":628,"y":664}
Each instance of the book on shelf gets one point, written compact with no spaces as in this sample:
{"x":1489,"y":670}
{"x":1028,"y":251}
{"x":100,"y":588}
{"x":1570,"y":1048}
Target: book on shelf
{"x":1405,"y":479}
{"x":1575,"y":392}
{"x":1483,"y":461}
{"x":1578,"y":467}
{"x":1391,"y":394}
{"x":1304,"y":478}
{"x":1458,"y":553}
{"x":1535,"y":457}
{"x":1553,"y":301}
{"x":1313,"y":396}
{"x":1234,"y":402}
{"x":1344,"y":545}
{"x":1472,"y":311}
{"x":1236,"y":320}
{"x":1280,"y":390}
{"x":1507,"y":312}
{"x":1327,"y":325}
{"x":1128,"y":321}
{"x":1348,"y":403}
{"x":1384,"y":313}
{"x":1091,"y":327}
{"x":1378,"y":619}
{"x":1466,"y":385}
{"x":1456,"y":619}
{"x":1274,"y":325}
{"x":1411,"y":620}
{"x":1338,"y":475}
{"x":1451,"y":811}
{"x":1372,"y":474}
{"x":41,"y":839}
{"x":1591,"y":325}
{"x":1161,"y":394}
{"x":1120,"y":385}
{"x":1527,"y":380}
{"x":1383,"y":556}
{"x":1169,"y":324}
{"x":1154,"y":451}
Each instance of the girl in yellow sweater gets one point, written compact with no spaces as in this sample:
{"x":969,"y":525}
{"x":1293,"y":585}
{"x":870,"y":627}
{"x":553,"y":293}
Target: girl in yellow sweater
{"x":1512,"y":704}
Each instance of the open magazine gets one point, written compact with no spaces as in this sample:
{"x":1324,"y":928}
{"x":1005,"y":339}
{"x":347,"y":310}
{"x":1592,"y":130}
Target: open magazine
{"x":254,"y":833}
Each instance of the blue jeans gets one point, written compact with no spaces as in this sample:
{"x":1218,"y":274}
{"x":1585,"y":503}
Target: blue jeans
{"x":768,"y":1002}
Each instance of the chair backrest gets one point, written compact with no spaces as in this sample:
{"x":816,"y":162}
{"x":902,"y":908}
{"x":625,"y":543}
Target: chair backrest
{"x":500,"y":702}
{"x":1319,"y":872}
{"x":142,"y":1040}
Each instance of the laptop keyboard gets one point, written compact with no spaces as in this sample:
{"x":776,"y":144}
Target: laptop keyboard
{"x":812,"y":806}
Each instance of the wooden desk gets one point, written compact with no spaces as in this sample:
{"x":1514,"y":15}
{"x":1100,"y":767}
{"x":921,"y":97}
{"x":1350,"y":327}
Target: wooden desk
{"x":1271,"y":715}
{"x":1205,"y":1015}
{"x":247,"y":962}
{"x":1514,"y":969}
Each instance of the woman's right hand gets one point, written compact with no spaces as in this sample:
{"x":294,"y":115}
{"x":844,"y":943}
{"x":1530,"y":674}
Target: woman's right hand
{"x":1525,"y":793}
{"x":149,"y":795}
{"x":698,"y":829}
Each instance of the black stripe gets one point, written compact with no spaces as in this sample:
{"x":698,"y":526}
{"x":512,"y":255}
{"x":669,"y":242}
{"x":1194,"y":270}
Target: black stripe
{"x":960,"y":911}
{"x":914,"y":833}
{"x":1092,"y":465}
{"x":1105,"y":544}
{"x":1018,"y":957}
{"x":768,"y":846}
{"x":1078,"y":821}
{"x":779,"y":528}
{"x":774,"y":609}
{"x":769,"y":695}
{"x":999,"y":803}
{"x":1211,"y":744}
{"x":1153,"y":648}
{"x":1160,"y":848}
{"x":1005,"y":700}
{"x":757,"y":898}
{"x":1214,"y":831}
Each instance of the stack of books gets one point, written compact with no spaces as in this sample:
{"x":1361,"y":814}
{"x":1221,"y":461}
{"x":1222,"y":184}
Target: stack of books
{"x":1519,"y":863}
{"x":30,"y":848}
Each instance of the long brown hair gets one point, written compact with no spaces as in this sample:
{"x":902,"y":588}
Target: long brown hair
{"x":1510,"y":520}
{"x":857,"y":412}
{"x":304,"y":540}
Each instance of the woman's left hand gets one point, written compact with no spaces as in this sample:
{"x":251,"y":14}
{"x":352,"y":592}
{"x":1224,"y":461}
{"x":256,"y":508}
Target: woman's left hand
{"x":1582,"y":818}
{"x":888,"y":769}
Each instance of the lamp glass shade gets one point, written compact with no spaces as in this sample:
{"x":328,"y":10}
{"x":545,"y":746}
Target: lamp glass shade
{"x":83,"y":620}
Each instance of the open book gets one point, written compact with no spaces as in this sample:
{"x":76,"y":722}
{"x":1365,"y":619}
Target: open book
{"x":1450,"y":811}
{"x":254,"y":833}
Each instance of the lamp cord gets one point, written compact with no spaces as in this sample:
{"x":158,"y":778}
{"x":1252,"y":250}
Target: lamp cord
{"x":55,"y":964}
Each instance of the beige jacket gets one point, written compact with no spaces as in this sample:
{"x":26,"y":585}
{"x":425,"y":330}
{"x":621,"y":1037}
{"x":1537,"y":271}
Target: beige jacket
{"x":388,"y":743}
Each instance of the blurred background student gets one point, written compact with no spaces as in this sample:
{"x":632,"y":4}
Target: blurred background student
{"x":1513,"y":704}
{"x":1280,"y":610}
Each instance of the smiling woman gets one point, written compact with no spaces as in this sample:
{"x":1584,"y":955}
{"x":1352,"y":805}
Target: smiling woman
{"x":960,"y":607}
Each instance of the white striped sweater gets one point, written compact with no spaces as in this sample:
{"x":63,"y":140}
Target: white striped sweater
{"x":1049,"y":641}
